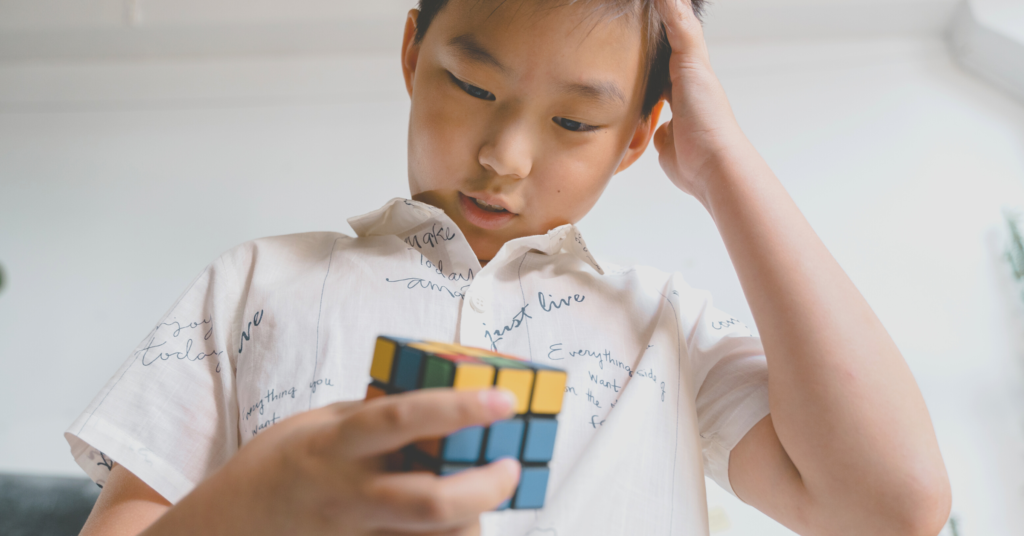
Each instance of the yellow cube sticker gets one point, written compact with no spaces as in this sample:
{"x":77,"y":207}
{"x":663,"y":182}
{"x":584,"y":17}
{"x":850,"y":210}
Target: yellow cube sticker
{"x":432,"y":347}
{"x":383,"y":357}
{"x":520,"y":382}
{"x":548,"y":391}
{"x":473,"y":376}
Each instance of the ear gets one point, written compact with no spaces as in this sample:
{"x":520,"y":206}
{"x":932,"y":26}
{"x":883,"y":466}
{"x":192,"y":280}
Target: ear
{"x":410,"y":49}
{"x":641,"y":137}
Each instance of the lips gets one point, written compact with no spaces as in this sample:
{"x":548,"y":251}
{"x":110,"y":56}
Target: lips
{"x":483,"y":214}
{"x":487,"y":207}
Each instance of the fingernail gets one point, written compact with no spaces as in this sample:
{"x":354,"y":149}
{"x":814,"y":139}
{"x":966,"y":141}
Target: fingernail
{"x":511,"y":465}
{"x":501,"y":401}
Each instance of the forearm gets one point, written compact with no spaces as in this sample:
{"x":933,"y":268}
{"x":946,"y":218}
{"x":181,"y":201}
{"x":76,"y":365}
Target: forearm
{"x":209,"y":509}
{"x":844,"y":404}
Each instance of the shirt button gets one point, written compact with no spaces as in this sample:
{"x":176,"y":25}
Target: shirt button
{"x":477,"y":303}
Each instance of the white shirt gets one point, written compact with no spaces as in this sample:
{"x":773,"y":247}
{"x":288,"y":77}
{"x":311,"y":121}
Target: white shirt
{"x":661,"y":385}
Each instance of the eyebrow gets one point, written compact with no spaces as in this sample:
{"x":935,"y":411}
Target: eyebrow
{"x":471,"y":49}
{"x":604,"y":91}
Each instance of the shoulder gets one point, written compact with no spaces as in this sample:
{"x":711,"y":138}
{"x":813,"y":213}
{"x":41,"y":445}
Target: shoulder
{"x":290,"y":246}
{"x":652,"y":284}
{"x":647,"y":278}
{"x":281,"y":254}
{"x":274,"y":259}
{"x":294,"y":251}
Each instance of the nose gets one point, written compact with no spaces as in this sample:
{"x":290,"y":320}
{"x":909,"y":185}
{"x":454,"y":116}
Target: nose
{"x":509,"y":150}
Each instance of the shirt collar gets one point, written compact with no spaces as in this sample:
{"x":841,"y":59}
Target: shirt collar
{"x":396,"y":217}
{"x":399,"y":216}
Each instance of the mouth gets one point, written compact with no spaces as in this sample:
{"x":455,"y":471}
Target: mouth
{"x":488,"y":208}
{"x":483,"y":214}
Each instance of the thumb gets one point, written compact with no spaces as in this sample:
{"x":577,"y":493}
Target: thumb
{"x":663,"y":138}
{"x":664,"y":142}
{"x":504,"y":474}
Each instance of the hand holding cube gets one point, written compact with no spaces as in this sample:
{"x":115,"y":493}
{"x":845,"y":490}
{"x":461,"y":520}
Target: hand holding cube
{"x":401,"y":365}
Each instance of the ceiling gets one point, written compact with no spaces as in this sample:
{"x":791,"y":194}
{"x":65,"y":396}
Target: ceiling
{"x":869,"y":15}
{"x":985,"y":34}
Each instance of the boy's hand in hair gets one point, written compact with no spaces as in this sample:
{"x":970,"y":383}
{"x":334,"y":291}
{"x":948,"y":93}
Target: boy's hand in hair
{"x":324,"y":472}
{"x":703,"y":128}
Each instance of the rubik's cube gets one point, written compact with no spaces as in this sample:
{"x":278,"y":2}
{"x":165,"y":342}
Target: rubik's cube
{"x":401,"y":365}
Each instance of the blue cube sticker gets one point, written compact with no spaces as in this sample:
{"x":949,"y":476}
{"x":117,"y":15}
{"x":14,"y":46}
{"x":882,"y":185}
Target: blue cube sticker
{"x":407,"y":368}
{"x":464,"y":445}
{"x":504,"y":439}
{"x":540,"y":440}
{"x":533,"y":484}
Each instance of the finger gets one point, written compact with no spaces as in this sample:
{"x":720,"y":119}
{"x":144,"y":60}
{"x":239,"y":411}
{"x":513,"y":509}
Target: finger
{"x":663,"y":139}
{"x":664,"y":142}
{"x":423,"y":501}
{"x":391,"y":422}
{"x":683,"y":28}
{"x":342,"y":407}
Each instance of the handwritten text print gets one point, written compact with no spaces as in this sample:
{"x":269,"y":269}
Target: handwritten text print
{"x":162,"y":335}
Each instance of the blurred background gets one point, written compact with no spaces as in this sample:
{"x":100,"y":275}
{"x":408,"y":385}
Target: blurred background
{"x":139,"y":139}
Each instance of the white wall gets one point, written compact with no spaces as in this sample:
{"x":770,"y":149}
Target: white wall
{"x":987,"y":37}
{"x":120,"y":179}
{"x":56,"y":29}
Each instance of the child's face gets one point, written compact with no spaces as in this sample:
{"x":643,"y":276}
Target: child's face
{"x":525,"y":106}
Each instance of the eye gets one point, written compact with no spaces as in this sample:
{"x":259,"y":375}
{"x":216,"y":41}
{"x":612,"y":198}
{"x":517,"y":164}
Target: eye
{"x":574,"y":126}
{"x":472,"y":90}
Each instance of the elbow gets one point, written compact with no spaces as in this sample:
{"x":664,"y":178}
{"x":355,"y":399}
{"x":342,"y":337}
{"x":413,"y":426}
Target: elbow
{"x":926,"y":507}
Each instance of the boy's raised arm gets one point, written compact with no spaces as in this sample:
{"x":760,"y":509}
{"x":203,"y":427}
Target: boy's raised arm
{"x":848,"y":447}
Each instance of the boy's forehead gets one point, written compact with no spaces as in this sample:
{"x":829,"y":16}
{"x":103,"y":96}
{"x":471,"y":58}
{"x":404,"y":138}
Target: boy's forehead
{"x":513,"y":36}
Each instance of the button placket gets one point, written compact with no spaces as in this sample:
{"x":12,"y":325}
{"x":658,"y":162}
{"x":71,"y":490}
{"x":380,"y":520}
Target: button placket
{"x":478,"y":303}
{"x":475,"y":317}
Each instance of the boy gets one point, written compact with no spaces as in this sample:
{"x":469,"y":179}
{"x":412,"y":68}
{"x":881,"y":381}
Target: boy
{"x":227,"y":417}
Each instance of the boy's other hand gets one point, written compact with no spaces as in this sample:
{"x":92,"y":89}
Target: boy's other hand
{"x":325,"y":471}
{"x":703,"y":129}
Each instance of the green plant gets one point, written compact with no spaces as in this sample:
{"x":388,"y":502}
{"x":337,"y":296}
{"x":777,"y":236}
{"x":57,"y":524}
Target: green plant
{"x":1015,"y":249}
{"x":953,"y":526}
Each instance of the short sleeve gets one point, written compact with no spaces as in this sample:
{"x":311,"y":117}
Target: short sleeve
{"x":169,"y":414}
{"x":730,"y":375}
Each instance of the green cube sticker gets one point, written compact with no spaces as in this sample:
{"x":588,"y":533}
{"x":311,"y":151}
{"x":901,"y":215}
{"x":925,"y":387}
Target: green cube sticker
{"x":503,"y":362}
{"x":438,"y":372}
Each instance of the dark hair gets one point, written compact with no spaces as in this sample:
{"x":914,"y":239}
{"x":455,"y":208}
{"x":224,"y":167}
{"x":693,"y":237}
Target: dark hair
{"x":656,"y":51}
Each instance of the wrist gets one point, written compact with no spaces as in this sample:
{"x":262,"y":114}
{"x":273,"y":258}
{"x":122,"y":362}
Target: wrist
{"x":212,"y":507}
{"x":728,"y":173}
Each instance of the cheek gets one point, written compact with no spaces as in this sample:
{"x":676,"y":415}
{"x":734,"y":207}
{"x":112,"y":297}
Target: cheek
{"x":578,"y":176}
{"x":441,"y":153}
